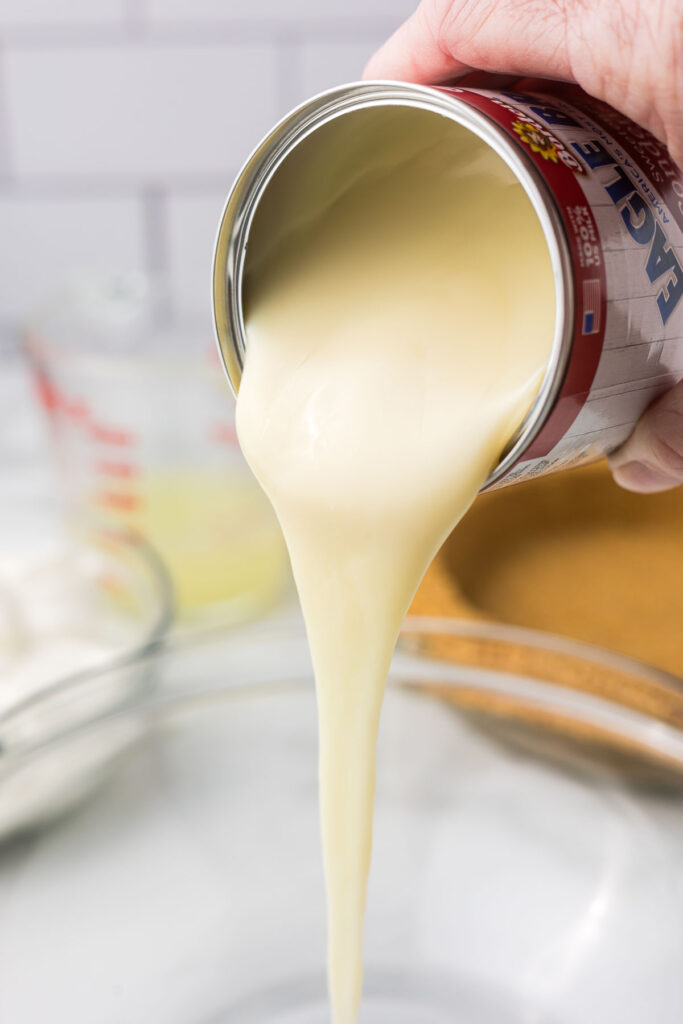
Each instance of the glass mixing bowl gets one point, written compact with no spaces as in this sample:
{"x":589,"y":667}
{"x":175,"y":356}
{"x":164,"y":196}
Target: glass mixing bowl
{"x":527,"y":866}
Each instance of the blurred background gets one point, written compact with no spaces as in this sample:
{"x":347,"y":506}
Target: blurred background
{"x":122,"y":126}
{"x":123,"y":122}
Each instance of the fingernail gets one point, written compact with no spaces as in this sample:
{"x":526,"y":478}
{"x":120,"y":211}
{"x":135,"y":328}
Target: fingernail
{"x":638,"y":476}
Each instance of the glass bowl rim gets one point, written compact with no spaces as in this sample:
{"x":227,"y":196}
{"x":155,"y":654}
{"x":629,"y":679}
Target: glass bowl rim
{"x":645,"y":729}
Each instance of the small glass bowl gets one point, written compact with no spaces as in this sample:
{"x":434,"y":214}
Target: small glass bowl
{"x":527,"y":865}
{"x":75,"y":633}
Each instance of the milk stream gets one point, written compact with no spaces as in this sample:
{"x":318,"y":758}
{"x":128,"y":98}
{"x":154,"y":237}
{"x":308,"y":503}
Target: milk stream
{"x":400,"y":311}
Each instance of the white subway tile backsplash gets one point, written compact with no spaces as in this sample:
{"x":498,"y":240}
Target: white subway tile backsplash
{"x":151,"y":111}
{"x":42,"y":13}
{"x":327,"y":64}
{"x":122,"y":123}
{"x":192,"y":225}
{"x":314,"y":11}
{"x":46,"y":242}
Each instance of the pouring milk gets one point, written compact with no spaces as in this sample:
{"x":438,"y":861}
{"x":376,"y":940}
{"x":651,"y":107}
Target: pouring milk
{"x":400,"y":311}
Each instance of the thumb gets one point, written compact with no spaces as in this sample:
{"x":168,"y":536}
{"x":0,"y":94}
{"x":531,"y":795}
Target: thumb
{"x":444,"y":39}
{"x":652,"y":458}
{"x":415,"y":52}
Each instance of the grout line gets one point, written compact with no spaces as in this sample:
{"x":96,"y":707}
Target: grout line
{"x":236,"y":32}
{"x":5,"y":161}
{"x":9,"y":333}
{"x":155,"y":230}
{"x":30,"y":36}
{"x":288,"y":78}
{"x":111,"y":188}
{"x":134,"y":18}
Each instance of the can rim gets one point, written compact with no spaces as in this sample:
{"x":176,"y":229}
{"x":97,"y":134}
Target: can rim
{"x":259,"y":168}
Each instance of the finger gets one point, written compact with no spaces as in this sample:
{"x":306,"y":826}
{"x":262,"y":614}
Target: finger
{"x":652,"y":458}
{"x":413,"y":54}
{"x":442,"y":41}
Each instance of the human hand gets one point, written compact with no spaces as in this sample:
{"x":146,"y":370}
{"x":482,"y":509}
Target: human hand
{"x":628,"y":53}
{"x":652,"y":458}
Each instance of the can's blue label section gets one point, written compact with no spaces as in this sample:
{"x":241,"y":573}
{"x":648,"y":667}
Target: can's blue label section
{"x":639,"y":213}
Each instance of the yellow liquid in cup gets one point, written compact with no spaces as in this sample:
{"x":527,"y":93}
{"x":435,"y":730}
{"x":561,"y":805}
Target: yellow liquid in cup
{"x":215,"y":533}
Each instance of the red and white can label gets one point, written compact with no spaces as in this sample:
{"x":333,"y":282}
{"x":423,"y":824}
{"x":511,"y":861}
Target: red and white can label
{"x":620,"y":198}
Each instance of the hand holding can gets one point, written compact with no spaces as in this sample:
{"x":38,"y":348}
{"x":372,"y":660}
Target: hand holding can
{"x":636,"y":68}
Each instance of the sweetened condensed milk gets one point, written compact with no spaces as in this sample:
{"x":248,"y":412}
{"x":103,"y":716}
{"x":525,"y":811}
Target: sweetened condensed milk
{"x":391,"y":356}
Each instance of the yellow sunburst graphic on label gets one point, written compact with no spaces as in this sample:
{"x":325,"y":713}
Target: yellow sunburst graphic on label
{"x":535,"y":139}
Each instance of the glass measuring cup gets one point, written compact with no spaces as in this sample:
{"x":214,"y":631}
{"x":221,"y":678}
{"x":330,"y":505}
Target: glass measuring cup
{"x":144,"y":434}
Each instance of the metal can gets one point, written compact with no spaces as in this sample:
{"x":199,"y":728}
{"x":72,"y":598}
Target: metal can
{"x":610,"y":201}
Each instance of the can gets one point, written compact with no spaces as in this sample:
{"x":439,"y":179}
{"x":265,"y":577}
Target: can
{"x":610,"y":201}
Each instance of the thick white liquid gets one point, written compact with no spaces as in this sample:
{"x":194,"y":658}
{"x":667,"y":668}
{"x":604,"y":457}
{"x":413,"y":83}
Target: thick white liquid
{"x":400,"y":311}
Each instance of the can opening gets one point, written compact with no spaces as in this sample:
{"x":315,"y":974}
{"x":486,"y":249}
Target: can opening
{"x":312,"y":162}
